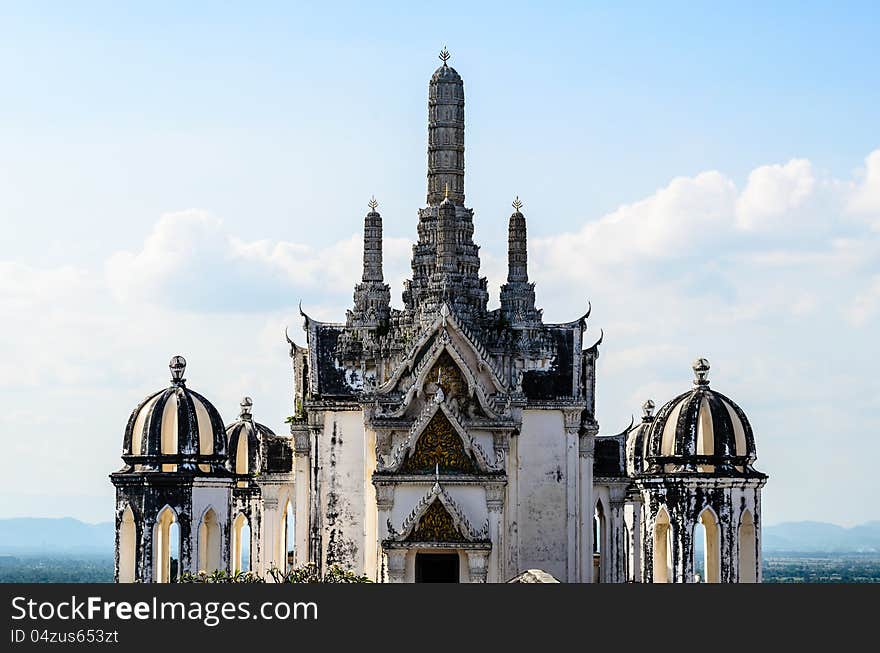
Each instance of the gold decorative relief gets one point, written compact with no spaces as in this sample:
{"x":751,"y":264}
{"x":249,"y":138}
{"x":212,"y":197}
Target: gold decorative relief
{"x":439,"y":446}
{"x":446,"y":374}
{"x":436,"y":525}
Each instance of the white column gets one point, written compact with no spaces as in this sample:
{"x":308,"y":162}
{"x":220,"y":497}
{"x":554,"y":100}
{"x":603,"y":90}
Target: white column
{"x":396,"y":565}
{"x":477,"y":565}
{"x":572,"y":499}
{"x":495,"y":504}
{"x":384,"y":504}
{"x":301,"y":487}
{"x":585,"y":522}
{"x":618,"y":546}
{"x":636,"y":542}
{"x":269,"y":526}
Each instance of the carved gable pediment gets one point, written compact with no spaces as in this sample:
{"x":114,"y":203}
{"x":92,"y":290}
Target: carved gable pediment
{"x":437,"y":518}
{"x":438,"y":441}
{"x":439,"y":446}
{"x":436,"y":525}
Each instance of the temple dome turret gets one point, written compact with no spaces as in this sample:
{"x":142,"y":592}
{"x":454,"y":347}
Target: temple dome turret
{"x":246,"y":440}
{"x":175,"y":430}
{"x":699,"y":431}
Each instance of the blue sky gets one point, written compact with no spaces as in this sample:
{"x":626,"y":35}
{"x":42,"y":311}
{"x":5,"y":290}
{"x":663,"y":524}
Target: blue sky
{"x":175,"y":179}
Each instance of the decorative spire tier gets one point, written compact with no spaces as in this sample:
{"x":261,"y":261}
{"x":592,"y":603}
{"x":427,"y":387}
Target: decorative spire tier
{"x":372,"y":297}
{"x":518,"y":295}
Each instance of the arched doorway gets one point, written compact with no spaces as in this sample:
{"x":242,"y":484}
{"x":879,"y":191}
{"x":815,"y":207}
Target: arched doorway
{"x":166,"y":546}
{"x":662,"y":570}
{"x":748,"y":550}
{"x":210,"y":543}
{"x":127,"y":546}
{"x":707,"y":531}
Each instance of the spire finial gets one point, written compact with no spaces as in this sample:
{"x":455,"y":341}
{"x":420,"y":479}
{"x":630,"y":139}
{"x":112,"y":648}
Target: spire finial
{"x":517,"y":204}
{"x":701,"y":372}
{"x":446,"y":191}
{"x":444,"y":55}
{"x":373,"y":203}
{"x":246,"y":403}
{"x":648,"y":411}
{"x":177,"y":367}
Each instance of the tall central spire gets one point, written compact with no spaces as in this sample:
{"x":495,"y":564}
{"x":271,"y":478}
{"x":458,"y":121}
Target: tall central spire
{"x":446,"y":261}
{"x":445,"y":134}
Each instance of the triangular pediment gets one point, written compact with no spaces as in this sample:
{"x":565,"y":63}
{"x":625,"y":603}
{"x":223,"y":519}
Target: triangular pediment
{"x":436,"y":525}
{"x":439,"y":447}
{"x":438,"y":440}
{"x":437,"y":518}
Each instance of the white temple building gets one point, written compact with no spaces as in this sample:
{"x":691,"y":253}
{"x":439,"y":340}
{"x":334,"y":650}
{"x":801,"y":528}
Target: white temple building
{"x":443,"y":442}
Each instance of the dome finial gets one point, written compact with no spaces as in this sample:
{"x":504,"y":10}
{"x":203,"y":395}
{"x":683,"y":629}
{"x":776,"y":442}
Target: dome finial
{"x":701,"y":372}
{"x":648,"y":411}
{"x":446,"y":191}
{"x":246,"y":403}
{"x":517,"y":204}
{"x":373,"y":203}
{"x":177,"y":367}
{"x":444,"y":55}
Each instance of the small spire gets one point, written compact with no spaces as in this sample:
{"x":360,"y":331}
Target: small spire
{"x":446,"y":191}
{"x":701,"y":372}
{"x":437,"y":471}
{"x":373,"y":204}
{"x":246,"y":404}
{"x":517,"y":204}
{"x":648,"y":411}
{"x":177,"y":367}
{"x":444,"y":55}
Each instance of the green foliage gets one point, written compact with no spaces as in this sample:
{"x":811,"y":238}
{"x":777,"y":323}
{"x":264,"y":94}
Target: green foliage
{"x":303,"y":574}
{"x":220,"y":576}
{"x":309,"y":573}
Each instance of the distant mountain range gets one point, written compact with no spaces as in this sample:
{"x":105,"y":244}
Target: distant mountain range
{"x":68,"y":535}
{"x":65,"y":535}
{"x":815,"y":536}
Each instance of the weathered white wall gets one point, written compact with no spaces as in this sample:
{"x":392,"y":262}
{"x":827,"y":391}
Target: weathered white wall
{"x":342,"y":464}
{"x":541,"y":513}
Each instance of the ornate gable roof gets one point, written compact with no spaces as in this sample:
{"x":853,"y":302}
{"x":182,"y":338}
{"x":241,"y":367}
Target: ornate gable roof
{"x":437,"y":518}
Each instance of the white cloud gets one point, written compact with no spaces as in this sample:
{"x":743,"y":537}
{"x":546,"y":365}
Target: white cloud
{"x":866,"y":305}
{"x":677,"y":221}
{"x":773,"y":191}
{"x":190,"y":261}
{"x":865,"y":197}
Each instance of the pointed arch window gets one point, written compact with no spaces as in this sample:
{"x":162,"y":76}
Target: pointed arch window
{"x":748,"y":549}
{"x":241,"y":544}
{"x":599,"y":545}
{"x":166,"y":546}
{"x":127,"y":546}
{"x":707,"y":541}
{"x":210,"y":543}
{"x":662,"y":548}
